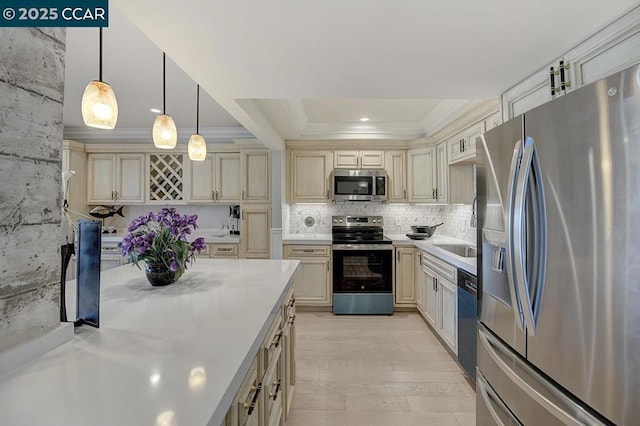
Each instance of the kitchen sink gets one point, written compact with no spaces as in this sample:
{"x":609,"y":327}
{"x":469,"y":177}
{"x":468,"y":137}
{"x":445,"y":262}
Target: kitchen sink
{"x":463,"y":250}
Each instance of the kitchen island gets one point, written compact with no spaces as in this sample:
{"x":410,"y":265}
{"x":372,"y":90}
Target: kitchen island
{"x":162,"y":356}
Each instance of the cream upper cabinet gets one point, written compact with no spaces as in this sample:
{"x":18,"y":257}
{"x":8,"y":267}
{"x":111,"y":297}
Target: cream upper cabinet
{"x":462,"y":147}
{"x":227,"y":178}
{"x":256,"y":230}
{"x":359,"y":159}
{"x":405,"y":282}
{"x":422,"y":174}
{"x":101,"y":176}
{"x":442,"y":167}
{"x":492,"y":121}
{"x":216,"y":179}
{"x":115,"y":178}
{"x":612,"y":49}
{"x":256,"y":176}
{"x":309,"y":178}
{"x":201,"y":182}
{"x":395,"y":163}
{"x":313,"y":279}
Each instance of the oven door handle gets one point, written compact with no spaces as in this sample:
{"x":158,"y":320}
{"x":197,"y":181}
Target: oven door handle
{"x":361,"y":247}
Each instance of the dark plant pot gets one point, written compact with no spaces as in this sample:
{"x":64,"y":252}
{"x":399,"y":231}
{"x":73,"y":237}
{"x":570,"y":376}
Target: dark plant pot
{"x":159,"y":275}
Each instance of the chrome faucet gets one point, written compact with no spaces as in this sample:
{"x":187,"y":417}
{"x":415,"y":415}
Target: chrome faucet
{"x":474,"y":218}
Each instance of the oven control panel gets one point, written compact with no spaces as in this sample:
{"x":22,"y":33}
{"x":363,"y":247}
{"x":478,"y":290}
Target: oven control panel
{"x":354,"y":221}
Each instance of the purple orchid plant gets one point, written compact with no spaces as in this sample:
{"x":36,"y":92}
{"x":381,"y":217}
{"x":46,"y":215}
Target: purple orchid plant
{"x":161,"y":238}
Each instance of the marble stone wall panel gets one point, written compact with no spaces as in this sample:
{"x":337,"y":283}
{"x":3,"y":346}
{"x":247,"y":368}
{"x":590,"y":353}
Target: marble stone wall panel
{"x":31,"y":95}
{"x":32,"y":59}
{"x":28,"y":314}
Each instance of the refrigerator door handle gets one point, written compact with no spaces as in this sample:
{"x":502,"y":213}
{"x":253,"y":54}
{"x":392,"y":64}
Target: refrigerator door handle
{"x":528,"y":165}
{"x":493,"y":403}
{"x":541,"y":391}
{"x":513,"y":175}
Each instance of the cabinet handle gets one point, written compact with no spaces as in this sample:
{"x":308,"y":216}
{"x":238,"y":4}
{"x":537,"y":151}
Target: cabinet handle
{"x":433,"y":194}
{"x":242,"y":215}
{"x":250,"y":406}
{"x":563,"y":84}
{"x":291,"y":303}
{"x":113,"y":195}
{"x":217,"y":195}
{"x":276,"y":339}
{"x":327,"y":194}
{"x":398,"y":256}
{"x":292,"y":320}
{"x":213,"y":195}
{"x":436,"y":193}
{"x":404,"y":194}
{"x":274,"y":394}
{"x":552,"y":81}
{"x":242,"y":197}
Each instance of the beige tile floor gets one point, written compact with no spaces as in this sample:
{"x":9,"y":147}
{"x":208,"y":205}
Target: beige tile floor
{"x":376,"y":370}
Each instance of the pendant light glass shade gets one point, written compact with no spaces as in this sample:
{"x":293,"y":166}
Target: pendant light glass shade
{"x":165,"y":134}
{"x":197,"y":145}
{"x":197,"y":148}
{"x":99,"y":105}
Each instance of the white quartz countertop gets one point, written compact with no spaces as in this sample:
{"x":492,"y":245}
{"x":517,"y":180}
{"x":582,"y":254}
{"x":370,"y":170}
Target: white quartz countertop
{"x":428,"y":245}
{"x":162,"y":355}
{"x":307,"y":239}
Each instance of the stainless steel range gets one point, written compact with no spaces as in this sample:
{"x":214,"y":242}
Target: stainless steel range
{"x":362,"y":266}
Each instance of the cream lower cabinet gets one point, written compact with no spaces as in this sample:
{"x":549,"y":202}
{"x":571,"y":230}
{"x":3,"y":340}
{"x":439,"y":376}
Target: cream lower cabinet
{"x":420,"y":283}
{"x":441,"y":299}
{"x":309,"y":176}
{"x":115,"y":178}
{"x":264,"y":397}
{"x":404,"y":290}
{"x":313,"y":285}
{"x":256,"y":229}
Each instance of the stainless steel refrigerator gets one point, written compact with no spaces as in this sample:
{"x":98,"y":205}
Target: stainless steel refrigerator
{"x":559,"y":261}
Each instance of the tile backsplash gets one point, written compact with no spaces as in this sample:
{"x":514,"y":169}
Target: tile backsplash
{"x":397,"y":217}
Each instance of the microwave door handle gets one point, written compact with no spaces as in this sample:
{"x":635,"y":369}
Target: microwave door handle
{"x":509,"y":256}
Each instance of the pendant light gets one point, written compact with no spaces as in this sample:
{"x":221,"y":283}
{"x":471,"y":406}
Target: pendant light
{"x":99,"y":105}
{"x":197,"y":144}
{"x":165,"y":134}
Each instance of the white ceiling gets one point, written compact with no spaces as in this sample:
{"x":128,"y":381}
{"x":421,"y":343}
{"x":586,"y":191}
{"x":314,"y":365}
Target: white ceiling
{"x":295,"y":68}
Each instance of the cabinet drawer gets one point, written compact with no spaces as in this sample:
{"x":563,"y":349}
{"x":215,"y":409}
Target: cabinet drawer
{"x":441,"y":267}
{"x":248,"y":399}
{"x":223,"y":250}
{"x":306,"y":251}
{"x":273,"y":390}
{"x":272,"y":344}
{"x":289,"y":307}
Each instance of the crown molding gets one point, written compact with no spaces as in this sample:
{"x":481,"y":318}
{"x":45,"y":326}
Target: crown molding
{"x":143,"y":135}
{"x":73,"y":145}
{"x":362,"y":144}
{"x":471,"y":114}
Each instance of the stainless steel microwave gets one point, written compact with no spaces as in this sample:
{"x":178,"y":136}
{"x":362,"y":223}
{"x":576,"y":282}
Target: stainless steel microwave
{"x":359,"y":185}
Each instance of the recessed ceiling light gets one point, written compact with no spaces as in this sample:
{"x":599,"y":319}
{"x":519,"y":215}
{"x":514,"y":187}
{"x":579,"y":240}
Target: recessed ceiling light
{"x":364,"y":119}
{"x":155,"y":110}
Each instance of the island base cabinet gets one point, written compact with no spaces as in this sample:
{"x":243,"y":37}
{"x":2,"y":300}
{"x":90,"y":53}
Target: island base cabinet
{"x":288,"y":351}
{"x":266,"y":392}
{"x":247,"y":405}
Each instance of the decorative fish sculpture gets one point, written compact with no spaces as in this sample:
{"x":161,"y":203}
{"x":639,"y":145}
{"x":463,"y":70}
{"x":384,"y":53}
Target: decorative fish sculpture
{"x":103,"y":212}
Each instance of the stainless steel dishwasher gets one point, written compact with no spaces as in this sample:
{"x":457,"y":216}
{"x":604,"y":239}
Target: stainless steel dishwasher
{"x":467,"y":321}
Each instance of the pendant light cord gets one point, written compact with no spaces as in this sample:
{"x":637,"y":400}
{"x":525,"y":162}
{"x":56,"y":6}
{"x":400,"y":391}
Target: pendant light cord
{"x":100,"y":62}
{"x":164,"y":83}
{"x":198,"y":110}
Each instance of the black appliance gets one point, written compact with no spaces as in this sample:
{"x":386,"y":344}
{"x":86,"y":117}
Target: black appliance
{"x":467,"y":321}
{"x":362,"y":266}
{"x":359,"y":185}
